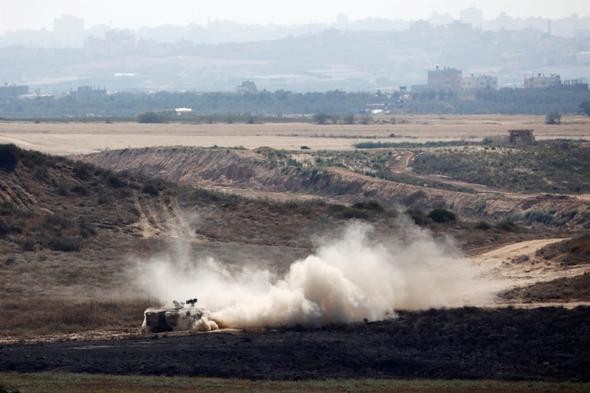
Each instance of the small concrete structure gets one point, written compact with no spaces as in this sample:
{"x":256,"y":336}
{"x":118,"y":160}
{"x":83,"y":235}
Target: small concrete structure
{"x":521,"y":137}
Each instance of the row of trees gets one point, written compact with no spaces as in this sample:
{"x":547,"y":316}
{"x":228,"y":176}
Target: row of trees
{"x":334,"y":106}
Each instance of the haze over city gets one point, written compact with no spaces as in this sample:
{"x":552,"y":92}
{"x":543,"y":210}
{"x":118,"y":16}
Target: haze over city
{"x":39,"y":14}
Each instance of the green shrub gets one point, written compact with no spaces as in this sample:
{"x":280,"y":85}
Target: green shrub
{"x":409,"y":145}
{"x":86,"y":228}
{"x":553,"y":118}
{"x":62,"y":189}
{"x":9,"y":157}
{"x":539,"y":216}
{"x":508,"y":226}
{"x":82,"y":171}
{"x":150,"y":189}
{"x":6,"y":390}
{"x":487,"y":141}
{"x":348,"y":119}
{"x":442,"y":216}
{"x":150,"y":117}
{"x":369,"y":205}
{"x":35,"y":159}
{"x":28,"y":244}
{"x":417,"y":216}
{"x":482,"y":225}
{"x":480,"y":206}
{"x":115,"y":182}
{"x":354,"y":213}
{"x":7,"y":208}
{"x":78,"y":189}
{"x":65,"y":244}
{"x":41,"y":173}
{"x":415,"y":197}
{"x":321,"y":118}
{"x":4,"y":228}
{"x":58,"y":221}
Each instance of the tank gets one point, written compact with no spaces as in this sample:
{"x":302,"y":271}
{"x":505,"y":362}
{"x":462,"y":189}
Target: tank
{"x":182,"y":316}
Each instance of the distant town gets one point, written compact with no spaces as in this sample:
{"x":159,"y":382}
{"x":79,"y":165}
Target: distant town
{"x":452,"y":79}
{"x":350,"y":55}
{"x":234,"y":72}
{"x":440,"y":79}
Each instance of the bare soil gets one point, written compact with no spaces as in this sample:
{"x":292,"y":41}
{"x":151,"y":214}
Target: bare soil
{"x":520,"y":263}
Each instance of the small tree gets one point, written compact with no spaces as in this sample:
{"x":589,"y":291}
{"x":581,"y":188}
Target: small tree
{"x":417,"y":216}
{"x":349,"y":119}
{"x":150,"y":117}
{"x":320,"y":118}
{"x":442,"y":216}
{"x":365,"y":120}
{"x":553,"y":118}
{"x":9,"y":157}
{"x":487,"y":141}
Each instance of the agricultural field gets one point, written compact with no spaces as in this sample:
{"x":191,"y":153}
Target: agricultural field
{"x":75,"y":137}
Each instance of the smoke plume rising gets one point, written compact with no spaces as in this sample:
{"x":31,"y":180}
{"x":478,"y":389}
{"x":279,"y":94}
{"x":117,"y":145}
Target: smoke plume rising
{"x":351,"y":278}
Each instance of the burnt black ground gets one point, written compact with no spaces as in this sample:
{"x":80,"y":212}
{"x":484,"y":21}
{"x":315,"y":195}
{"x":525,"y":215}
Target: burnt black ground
{"x":507,"y":344}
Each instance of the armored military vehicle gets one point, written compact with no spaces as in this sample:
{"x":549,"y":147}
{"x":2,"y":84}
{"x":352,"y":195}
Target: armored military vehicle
{"x":181,"y":316}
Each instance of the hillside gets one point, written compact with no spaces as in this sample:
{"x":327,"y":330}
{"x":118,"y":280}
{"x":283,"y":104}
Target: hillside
{"x":70,"y":232}
{"x":270,"y":171}
{"x":72,"y":235}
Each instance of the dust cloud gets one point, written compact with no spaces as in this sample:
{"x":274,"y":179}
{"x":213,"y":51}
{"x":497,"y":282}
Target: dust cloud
{"x":348,"y":279}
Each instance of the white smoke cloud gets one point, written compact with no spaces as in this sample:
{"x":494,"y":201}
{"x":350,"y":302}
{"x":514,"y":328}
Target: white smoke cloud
{"x":348,"y":279}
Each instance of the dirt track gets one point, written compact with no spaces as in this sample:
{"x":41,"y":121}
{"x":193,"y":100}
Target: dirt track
{"x":518,"y":263}
{"x":540,"y":344}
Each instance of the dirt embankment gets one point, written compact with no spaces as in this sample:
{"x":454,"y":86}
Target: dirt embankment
{"x":239,"y":170}
{"x":71,"y":232}
{"x":557,"y":271}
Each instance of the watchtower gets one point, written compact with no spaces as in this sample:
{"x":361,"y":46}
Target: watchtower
{"x":521,"y":137}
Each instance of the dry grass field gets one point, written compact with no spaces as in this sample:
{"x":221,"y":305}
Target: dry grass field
{"x":79,"y":138}
{"x":52,"y":382}
{"x":63,"y":383}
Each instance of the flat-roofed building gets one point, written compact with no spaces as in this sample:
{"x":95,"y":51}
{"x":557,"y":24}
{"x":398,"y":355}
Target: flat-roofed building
{"x":479,"y":82}
{"x":541,"y":81}
{"x":447,"y":79}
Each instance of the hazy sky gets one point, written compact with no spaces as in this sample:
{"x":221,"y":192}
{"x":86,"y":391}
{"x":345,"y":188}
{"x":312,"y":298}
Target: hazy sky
{"x":26,"y":14}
